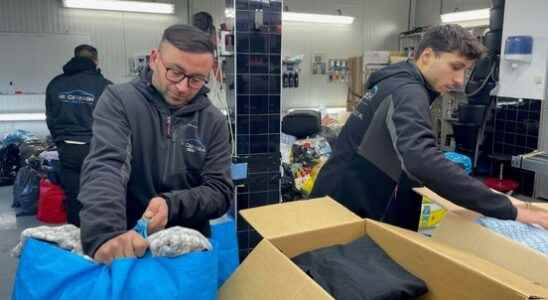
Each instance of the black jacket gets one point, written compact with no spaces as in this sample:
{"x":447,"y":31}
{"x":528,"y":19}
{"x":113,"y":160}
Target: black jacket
{"x":71,"y":98}
{"x":387,"y":147}
{"x":142,"y":148}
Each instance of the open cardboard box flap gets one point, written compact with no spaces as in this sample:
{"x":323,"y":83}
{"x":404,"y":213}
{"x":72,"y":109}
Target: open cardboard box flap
{"x":450,"y":206}
{"x":298,"y":216}
{"x":459,"y":230}
{"x":297,"y":227}
{"x":484,"y":243}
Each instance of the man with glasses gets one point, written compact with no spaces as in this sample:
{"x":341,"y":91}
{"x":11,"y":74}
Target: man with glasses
{"x":160,"y":150}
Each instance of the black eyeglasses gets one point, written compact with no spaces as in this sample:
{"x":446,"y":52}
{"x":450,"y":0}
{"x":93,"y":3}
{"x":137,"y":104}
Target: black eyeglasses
{"x":176,"y":76}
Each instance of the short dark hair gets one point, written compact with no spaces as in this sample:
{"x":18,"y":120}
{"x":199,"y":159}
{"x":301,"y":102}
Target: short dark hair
{"x":451,"y":38}
{"x":86,"y":51}
{"x":203,"y":21}
{"x":188,"y":38}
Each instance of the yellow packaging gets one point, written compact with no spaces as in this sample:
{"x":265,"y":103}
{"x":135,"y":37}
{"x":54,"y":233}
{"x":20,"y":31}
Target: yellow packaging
{"x":431,"y":214}
{"x":309,"y":183}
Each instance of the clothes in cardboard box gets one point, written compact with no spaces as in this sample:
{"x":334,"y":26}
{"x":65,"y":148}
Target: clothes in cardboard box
{"x":360,"y":270}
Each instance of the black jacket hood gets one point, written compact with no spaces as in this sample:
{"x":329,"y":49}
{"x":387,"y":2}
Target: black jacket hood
{"x":406,"y":73}
{"x":144,"y":84}
{"x":79,"y":64}
{"x":84,"y":84}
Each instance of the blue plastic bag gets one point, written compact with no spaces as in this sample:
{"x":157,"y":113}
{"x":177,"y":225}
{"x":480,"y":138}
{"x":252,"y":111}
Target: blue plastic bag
{"x":223,"y":233}
{"x":46,"y":271}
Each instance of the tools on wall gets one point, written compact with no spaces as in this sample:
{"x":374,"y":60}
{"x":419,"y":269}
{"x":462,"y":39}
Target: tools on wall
{"x":337,"y":70}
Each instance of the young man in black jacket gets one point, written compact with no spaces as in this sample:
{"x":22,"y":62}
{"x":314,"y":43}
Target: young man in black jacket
{"x":387,"y":146}
{"x":159,"y":149}
{"x":70,"y":100}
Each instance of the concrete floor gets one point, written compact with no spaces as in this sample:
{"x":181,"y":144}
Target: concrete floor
{"x":10,"y":229}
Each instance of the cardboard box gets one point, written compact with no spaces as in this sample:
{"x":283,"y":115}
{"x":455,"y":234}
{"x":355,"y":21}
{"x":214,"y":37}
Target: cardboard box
{"x":293,"y":228}
{"x":459,"y":230}
{"x":459,"y":210}
{"x":541,"y":205}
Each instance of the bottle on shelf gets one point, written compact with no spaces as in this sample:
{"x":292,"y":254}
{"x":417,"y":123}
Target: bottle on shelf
{"x":11,"y":89}
{"x":285,"y":80}
{"x":291,"y":80}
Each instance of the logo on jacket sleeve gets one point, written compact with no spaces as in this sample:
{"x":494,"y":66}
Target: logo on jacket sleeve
{"x":364,"y":102}
{"x":77,"y":97}
{"x":194,"y":145}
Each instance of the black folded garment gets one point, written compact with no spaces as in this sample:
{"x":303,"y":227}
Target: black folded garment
{"x":360,"y":270}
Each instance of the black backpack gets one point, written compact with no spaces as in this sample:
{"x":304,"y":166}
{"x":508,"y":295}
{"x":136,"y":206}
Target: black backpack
{"x":9,"y":164}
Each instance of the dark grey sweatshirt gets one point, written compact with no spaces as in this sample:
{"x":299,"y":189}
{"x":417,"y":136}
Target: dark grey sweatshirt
{"x":387,"y":146}
{"x":142,"y":148}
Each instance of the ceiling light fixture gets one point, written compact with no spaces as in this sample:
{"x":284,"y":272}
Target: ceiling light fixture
{"x":306,"y":18}
{"x":469,"y":18}
{"x":127,"y":6}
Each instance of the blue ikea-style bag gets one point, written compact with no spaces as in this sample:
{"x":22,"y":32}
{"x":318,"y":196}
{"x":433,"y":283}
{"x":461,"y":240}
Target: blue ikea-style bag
{"x":223,"y":232}
{"x":46,"y":271}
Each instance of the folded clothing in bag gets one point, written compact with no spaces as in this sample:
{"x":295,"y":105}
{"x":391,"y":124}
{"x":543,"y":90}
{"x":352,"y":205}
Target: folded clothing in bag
{"x":170,"y":242}
{"x":525,"y":234}
{"x":360,"y":270}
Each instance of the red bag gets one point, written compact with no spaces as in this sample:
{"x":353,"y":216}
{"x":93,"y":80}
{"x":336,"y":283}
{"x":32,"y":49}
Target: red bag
{"x":50,"y":203}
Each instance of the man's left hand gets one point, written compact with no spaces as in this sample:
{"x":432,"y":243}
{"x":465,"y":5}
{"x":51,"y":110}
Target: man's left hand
{"x":157,"y":214}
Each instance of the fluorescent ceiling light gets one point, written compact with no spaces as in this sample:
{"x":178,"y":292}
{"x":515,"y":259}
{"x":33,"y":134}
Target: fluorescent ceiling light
{"x":316,"y":18}
{"x":329,"y":110}
{"x":307,"y":18}
{"x":129,"y":6}
{"x":469,"y":18}
{"x":229,"y":13}
{"x":22,"y":117}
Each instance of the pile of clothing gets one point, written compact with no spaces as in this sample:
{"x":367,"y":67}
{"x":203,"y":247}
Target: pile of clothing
{"x":18,"y":149}
{"x":303,"y":158}
{"x":301,"y":166}
{"x":170,"y":242}
{"x":37,"y":159}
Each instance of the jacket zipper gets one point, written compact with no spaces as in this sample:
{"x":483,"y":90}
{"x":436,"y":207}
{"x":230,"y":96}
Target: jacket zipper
{"x":168,"y":129}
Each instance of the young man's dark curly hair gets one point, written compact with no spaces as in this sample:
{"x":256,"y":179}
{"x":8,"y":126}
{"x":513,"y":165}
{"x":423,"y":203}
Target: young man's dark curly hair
{"x":451,"y":38}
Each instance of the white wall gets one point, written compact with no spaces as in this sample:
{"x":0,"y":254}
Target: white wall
{"x":428,"y":11}
{"x":376,"y":27}
{"x":117,"y":36}
{"x":333,"y":41}
{"x":462,"y":5}
{"x":383,"y":22}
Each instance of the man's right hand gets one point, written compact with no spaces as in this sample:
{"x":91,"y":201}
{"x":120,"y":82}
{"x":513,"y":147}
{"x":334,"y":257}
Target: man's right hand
{"x":129,"y":244}
{"x":529,"y":216}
